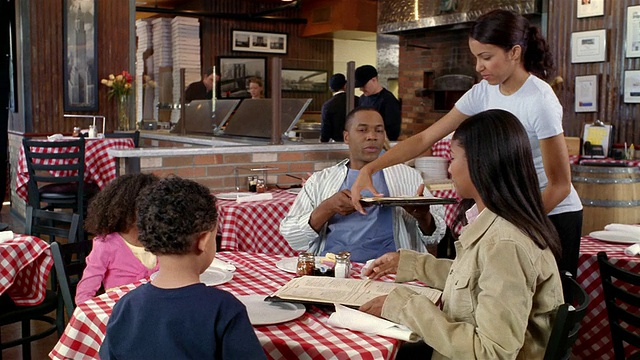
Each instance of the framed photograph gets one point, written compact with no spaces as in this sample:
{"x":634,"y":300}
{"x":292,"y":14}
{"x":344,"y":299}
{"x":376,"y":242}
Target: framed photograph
{"x":588,"y":46}
{"x":587,"y":93}
{"x":80,"y":56}
{"x":632,"y":86}
{"x":633,"y":32}
{"x":589,"y":8}
{"x":235,"y":73}
{"x":274,"y":43}
{"x":304,"y":80}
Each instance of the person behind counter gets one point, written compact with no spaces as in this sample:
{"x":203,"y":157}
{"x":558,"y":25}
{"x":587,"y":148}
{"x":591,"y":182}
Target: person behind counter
{"x":256,"y":88}
{"x":379,"y":98}
{"x":334,"y":110}
{"x":322,"y":218}
{"x":501,"y":292}
{"x":512,"y":57}
{"x":200,"y":90}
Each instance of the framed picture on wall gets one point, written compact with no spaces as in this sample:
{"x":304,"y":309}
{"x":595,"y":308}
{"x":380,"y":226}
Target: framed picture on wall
{"x":586,"y":93}
{"x":589,"y":8}
{"x":80,"y":80}
{"x":633,"y":32}
{"x":235,"y":73}
{"x":588,"y":46}
{"x":253,"y":41}
{"x":304,"y":80}
{"x":632,"y":86}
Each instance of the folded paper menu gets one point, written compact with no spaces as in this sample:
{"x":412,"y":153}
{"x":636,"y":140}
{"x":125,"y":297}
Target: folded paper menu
{"x":351,"y":319}
{"x":349,"y":292}
{"x":407,"y":200}
{"x":633,"y":230}
{"x":256,"y":197}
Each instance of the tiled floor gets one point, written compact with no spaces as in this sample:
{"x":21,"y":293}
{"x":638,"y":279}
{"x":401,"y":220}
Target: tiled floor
{"x":41,"y":348}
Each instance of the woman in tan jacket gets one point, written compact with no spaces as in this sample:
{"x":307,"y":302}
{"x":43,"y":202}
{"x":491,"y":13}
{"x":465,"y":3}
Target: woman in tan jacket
{"x":501,"y":292}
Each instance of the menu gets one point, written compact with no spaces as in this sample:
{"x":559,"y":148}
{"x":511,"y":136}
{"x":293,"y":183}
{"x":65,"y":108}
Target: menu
{"x":407,"y":201}
{"x":349,"y":292}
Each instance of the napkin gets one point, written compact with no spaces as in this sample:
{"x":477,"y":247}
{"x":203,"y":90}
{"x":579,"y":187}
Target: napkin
{"x":629,"y":229}
{"x":351,"y":319}
{"x":6,"y":235}
{"x":633,"y":250}
{"x":55,"y":137}
{"x":223,"y":265}
{"x":256,"y":197}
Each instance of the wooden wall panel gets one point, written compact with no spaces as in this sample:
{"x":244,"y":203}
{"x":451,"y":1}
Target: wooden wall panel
{"x":47,"y":61}
{"x":611,"y":107}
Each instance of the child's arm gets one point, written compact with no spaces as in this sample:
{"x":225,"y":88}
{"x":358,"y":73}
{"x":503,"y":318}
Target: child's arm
{"x":97,"y":264}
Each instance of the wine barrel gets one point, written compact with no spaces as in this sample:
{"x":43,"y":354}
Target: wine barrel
{"x":608,"y":194}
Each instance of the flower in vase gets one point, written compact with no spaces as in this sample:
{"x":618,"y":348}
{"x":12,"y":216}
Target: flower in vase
{"x":119,"y":85}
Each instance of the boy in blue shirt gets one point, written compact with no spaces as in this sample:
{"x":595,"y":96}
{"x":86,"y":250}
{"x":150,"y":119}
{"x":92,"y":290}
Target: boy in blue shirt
{"x":175,"y":316}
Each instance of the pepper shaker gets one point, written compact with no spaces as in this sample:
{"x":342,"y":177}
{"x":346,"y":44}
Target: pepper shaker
{"x":306,"y":264}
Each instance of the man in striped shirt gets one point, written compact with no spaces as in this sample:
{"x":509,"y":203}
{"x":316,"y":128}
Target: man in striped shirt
{"x":322,"y":218}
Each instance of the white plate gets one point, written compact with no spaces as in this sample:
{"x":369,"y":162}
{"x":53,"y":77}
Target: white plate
{"x":214,"y":276}
{"x":233,"y":195}
{"x":620,"y":237}
{"x":294,"y":190}
{"x":222,"y":265}
{"x":266,"y":312}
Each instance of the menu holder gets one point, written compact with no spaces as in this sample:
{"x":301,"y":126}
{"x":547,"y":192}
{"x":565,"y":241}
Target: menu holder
{"x":349,"y":292}
{"x":407,"y":201}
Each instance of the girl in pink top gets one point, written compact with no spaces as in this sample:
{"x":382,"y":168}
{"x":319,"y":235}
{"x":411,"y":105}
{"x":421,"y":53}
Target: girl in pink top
{"x":117,"y":257}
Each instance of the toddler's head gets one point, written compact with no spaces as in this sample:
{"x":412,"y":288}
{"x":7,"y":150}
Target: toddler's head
{"x":173,"y":215}
{"x":113,"y":209}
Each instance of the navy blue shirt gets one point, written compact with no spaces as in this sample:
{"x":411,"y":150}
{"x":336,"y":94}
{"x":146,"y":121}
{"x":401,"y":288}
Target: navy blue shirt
{"x":192,"y":322}
{"x":389,"y":107}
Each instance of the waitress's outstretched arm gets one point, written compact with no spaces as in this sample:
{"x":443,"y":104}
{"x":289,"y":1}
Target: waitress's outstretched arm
{"x":404,"y":151}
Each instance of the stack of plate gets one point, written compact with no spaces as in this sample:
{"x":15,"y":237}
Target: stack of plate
{"x":432,"y":167}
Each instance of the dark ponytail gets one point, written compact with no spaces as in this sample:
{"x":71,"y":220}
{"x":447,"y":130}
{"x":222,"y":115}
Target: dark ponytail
{"x":537,"y":57}
{"x":506,"y":29}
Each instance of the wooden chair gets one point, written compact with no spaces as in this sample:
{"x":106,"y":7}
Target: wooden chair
{"x":58,"y":295}
{"x":56,"y":176}
{"x":568,"y":318}
{"x":621,"y":289}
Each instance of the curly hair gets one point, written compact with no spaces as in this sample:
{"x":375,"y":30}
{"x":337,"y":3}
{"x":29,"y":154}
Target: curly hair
{"x":172,"y":213}
{"x":506,"y":29}
{"x":113,"y":209}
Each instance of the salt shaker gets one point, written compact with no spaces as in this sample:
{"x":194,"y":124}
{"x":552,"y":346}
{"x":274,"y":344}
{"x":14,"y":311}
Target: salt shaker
{"x":343,"y":265}
{"x":306,"y":264}
{"x":93,"y":133}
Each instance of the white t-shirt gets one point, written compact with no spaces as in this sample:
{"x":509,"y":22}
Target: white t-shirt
{"x":539,"y":111}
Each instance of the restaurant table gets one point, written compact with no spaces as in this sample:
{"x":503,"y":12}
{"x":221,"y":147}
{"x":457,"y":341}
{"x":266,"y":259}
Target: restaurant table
{"x":575,"y":160}
{"x":25,"y":262}
{"x":254,"y":226}
{"x":594,"y":341}
{"x":100,"y":167}
{"x":308,"y":337}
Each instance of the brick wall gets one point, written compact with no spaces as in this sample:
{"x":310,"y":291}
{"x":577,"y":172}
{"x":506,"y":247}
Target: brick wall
{"x":217,"y":172}
{"x":447,"y":53}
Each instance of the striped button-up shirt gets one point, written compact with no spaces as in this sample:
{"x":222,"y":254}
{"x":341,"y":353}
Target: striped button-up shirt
{"x":401,"y":180}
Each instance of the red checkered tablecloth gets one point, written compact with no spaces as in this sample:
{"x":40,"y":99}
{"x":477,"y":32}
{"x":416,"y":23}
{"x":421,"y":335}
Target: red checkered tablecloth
{"x":575,"y":159}
{"x":450,"y":210}
{"x":442,"y":148}
{"x":100,"y":168}
{"x":254,"y":226}
{"x":308,"y":337}
{"x":595,"y":336}
{"x":25,"y":262}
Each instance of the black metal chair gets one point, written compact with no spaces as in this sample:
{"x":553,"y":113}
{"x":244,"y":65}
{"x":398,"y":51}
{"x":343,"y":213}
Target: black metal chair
{"x":568,"y":318}
{"x":135,"y":136}
{"x":56,"y":176}
{"x":58,"y":295}
{"x":621,"y":289}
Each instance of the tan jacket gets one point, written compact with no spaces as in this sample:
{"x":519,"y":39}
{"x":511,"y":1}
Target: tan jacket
{"x":500,"y":295}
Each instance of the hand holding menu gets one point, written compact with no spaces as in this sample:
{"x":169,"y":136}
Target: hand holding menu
{"x":350,"y":292}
